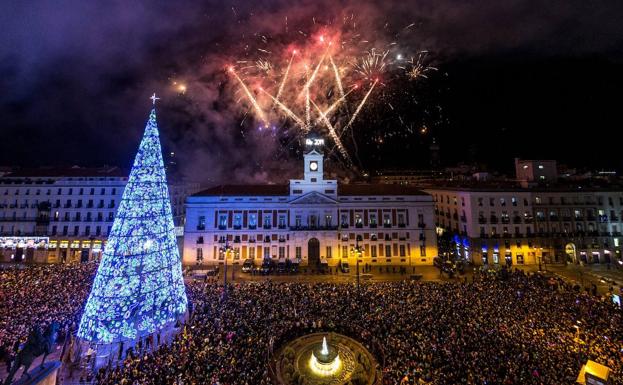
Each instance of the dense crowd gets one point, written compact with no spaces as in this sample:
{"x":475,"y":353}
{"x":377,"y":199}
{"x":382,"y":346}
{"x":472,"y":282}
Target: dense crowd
{"x":517,"y":330}
{"x":37,"y":295}
{"x":514,"y":331}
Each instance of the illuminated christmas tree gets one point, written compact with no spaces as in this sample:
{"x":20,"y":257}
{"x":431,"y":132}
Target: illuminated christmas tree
{"x":139,"y":288}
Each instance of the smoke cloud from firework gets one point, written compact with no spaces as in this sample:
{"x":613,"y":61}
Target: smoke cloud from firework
{"x":76,"y":75}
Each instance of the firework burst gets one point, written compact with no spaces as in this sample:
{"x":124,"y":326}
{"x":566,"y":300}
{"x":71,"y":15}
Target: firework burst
{"x":324,"y":84}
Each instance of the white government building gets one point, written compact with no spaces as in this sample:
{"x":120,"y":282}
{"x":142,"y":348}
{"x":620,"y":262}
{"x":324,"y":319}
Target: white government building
{"x":310,"y":220}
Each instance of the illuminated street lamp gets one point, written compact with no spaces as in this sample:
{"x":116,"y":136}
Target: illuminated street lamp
{"x":357,"y":251}
{"x":226,"y":249}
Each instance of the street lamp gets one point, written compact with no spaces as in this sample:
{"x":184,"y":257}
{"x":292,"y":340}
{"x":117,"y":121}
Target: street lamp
{"x":225,"y":250}
{"x":357,"y":251}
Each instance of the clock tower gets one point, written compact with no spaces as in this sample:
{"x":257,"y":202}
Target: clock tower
{"x":313,"y":173}
{"x":313,"y":159}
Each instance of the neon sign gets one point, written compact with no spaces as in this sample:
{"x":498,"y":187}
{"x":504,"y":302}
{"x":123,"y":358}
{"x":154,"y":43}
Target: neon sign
{"x":314,"y":142}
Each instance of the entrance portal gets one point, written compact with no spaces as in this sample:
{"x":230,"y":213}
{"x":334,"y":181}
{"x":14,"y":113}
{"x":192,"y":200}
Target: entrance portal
{"x":313,"y":252}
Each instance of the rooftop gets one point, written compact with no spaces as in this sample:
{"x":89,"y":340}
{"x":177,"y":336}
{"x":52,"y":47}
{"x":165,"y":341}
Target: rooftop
{"x":59,"y":172}
{"x":284,"y":190}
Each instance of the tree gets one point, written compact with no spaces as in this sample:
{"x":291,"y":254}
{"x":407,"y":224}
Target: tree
{"x":139,"y":287}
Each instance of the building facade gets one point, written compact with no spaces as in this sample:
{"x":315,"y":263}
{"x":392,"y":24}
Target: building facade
{"x":64,"y":215}
{"x":311,"y":220}
{"x":530,"y":226}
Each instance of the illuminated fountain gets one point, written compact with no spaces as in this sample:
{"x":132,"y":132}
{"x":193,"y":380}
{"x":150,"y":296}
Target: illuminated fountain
{"x":325,"y":361}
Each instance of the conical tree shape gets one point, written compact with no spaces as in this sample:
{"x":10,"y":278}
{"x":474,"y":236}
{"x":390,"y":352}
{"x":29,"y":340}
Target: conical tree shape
{"x":139,"y":286}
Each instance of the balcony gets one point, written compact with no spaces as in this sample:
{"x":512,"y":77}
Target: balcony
{"x":421,"y":225}
{"x":506,"y":220}
{"x":516,"y":220}
{"x":89,"y":205}
{"x":237,"y":227}
{"x":306,"y":228}
{"x":111,"y":206}
{"x":267,"y":227}
{"x":359,"y":225}
{"x":402,"y":225}
{"x":566,"y":219}
{"x":222,"y":227}
{"x":579,"y":218}
{"x":282,"y":227}
{"x":201,"y":227}
{"x":100,"y":206}
{"x":67,"y":205}
{"x":455,"y":216}
{"x":373,"y":225}
{"x":592,"y":218}
{"x":553,"y":218}
{"x":344,"y":225}
{"x":482,"y":220}
{"x":527,"y":219}
{"x":387,"y":225}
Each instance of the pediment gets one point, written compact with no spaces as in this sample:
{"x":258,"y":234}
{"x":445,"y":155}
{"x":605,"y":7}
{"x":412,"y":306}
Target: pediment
{"x":313,"y":198}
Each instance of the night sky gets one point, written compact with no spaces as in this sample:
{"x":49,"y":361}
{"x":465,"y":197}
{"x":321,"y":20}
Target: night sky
{"x":534,"y":79}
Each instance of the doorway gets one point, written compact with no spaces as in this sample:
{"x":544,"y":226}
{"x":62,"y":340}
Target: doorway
{"x":313,"y":252}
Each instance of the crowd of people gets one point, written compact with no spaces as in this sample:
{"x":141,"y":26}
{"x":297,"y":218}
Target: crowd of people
{"x":37,"y":295}
{"x":519,"y":329}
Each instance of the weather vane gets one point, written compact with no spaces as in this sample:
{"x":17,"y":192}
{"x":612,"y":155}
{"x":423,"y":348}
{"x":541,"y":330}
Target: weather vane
{"x":154,"y":98}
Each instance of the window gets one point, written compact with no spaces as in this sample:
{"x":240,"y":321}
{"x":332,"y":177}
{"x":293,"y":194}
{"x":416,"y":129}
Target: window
{"x":199,"y":254}
{"x":480,"y":201}
{"x":237,"y":221}
{"x":358,"y":220}
{"x":252,"y":221}
{"x":329,"y":252}
{"x":267,"y":221}
{"x":201,"y":222}
{"x":76,"y":230}
{"x":98,"y":230}
{"x":114,"y":191}
{"x":491,"y":202}
{"x":298,"y":221}
{"x":92,"y":192}
{"x":401,"y":219}
{"x":373,"y":251}
{"x":387,"y":221}
{"x":66,"y":216}
{"x":267,"y":252}
{"x":222,"y":221}
{"x":388,"y":251}
{"x":422,"y":251}
{"x":344,"y":220}
{"x":372,"y":219}
{"x":87,"y":230}
{"x":65,"y":229}
{"x":328,"y":219}
{"x":111,"y":215}
{"x":282,"y":252}
{"x":251,"y":252}
{"x":514,"y":201}
{"x":297,"y":252}
{"x":282,"y":221}
{"x":403,"y":251}
{"x":344,"y":251}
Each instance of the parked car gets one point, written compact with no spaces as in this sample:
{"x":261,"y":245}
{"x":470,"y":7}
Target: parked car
{"x":344,"y":268}
{"x":281,"y":266}
{"x":267,"y":266}
{"x":247,"y":266}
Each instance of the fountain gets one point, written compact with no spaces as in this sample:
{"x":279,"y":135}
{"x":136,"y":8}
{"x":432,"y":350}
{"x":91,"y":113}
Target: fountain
{"x":325,"y":361}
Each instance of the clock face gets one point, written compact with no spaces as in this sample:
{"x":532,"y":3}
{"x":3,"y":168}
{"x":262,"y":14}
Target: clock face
{"x":313,"y":166}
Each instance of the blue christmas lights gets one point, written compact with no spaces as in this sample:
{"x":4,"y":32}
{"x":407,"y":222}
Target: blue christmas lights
{"x":139,"y":287}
